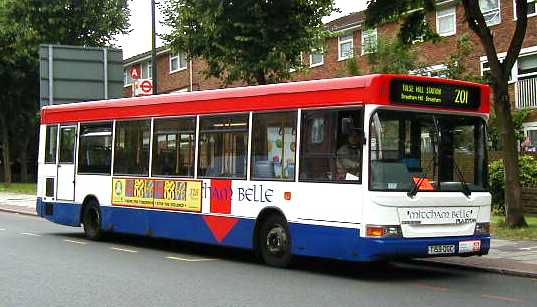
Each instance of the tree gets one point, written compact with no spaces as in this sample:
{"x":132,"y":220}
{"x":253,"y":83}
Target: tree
{"x":392,"y":57}
{"x":249,"y":40}
{"x":24,"y":24}
{"x":411,"y":14}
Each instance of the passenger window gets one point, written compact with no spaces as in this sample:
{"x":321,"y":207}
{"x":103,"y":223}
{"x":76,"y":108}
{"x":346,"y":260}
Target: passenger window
{"x":223,"y":146}
{"x":274,"y":145}
{"x":50,"y":144}
{"x":331,"y":146}
{"x":131,"y":149}
{"x":173,"y":147}
{"x":95,"y":150}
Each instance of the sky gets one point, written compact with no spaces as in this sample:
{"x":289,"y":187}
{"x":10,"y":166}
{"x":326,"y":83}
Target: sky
{"x":139,"y":38}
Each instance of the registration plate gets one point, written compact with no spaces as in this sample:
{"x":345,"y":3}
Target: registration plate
{"x":441,"y":249}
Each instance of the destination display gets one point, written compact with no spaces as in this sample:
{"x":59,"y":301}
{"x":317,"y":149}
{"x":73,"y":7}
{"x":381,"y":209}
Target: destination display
{"x":427,"y":93}
{"x":166,"y":194}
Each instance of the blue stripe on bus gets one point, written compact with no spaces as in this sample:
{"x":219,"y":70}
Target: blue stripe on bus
{"x":307,"y":240}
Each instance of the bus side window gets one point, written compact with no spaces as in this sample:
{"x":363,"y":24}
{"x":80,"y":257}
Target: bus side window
{"x":95,"y":149}
{"x":274,"y":145}
{"x":131,"y":148}
{"x":223,"y":146}
{"x":331,"y":146}
{"x":50,"y":144}
{"x":173,"y":147}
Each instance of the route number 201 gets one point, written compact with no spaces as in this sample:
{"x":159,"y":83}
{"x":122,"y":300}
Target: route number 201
{"x":462,"y":97}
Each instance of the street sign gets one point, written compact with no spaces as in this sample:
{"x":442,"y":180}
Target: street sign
{"x":143,"y":87}
{"x":74,"y":74}
{"x":135,"y":74}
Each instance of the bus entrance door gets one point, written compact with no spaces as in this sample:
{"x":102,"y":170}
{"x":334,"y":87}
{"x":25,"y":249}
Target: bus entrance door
{"x":65,"y":189}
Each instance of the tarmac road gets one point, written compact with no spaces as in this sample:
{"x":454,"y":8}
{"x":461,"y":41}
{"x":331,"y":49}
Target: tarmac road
{"x":44,"y":264}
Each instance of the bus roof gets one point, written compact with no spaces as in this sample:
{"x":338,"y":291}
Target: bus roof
{"x":369,"y":89}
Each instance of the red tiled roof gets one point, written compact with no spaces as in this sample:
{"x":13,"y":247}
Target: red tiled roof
{"x":348,"y":21}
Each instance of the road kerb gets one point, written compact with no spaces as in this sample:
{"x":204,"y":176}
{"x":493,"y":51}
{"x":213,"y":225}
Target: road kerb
{"x":483,"y":268}
{"x":24,"y":212}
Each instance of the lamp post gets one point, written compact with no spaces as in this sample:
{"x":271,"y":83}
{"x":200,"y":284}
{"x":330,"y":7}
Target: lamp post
{"x":153,"y":49}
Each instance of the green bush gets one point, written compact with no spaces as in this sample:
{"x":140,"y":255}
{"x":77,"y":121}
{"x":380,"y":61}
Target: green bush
{"x":528,"y":177}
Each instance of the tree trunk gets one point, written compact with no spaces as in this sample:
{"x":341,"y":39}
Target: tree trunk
{"x":24,"y":160}
{"x":514,"y":210}
{"x":5,"y":151}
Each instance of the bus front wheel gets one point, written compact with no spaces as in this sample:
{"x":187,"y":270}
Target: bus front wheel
{"x":92,"y":221}
{"x":274,"y":242}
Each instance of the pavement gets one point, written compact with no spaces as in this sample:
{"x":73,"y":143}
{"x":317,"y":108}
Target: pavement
{"x":518,"y":258}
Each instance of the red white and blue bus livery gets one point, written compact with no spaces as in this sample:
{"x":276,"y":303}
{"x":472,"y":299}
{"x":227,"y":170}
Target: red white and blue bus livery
{"x":364,"y":168}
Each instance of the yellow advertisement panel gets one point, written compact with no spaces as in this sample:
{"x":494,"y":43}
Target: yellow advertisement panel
{"x":178,"y":195}
{"x":184,"y":195}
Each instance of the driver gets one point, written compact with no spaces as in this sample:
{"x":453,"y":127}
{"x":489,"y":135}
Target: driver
{"x":349,"y":157}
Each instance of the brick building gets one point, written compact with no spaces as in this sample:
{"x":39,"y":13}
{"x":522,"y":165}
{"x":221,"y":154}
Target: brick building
{"x":352,"y":40}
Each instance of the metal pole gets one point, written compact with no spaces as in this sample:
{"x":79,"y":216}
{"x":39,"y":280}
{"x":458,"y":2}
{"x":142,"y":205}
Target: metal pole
{"x":153,"y":49}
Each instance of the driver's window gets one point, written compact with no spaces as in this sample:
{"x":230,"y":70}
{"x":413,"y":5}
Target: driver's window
{"x":331,"y":145}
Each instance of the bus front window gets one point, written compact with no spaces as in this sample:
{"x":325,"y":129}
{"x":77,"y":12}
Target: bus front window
{"x":426,"y":152}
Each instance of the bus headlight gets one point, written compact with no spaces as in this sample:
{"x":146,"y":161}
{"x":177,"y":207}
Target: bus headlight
{"x":385,"y":231}
{"x":482,"y":229}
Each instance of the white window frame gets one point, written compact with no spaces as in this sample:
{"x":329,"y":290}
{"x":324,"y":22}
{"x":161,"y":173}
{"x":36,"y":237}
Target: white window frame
{"x":499,"y":12}
{"x":514,"y":72}
{"x":366,"y":33}
{"x":447,"y":11}
{"x":320,"y":51}
{"x":529,"y":15}
{"x":178,"y":58}
{"x":341,"y":42}
{"x":149,"y":67}
{"x":126,"y":77}
{"x":529,"y":126}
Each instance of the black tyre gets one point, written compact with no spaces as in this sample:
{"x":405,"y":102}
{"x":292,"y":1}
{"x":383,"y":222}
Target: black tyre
{"x":274,"y":242}
{"x":91,"y":219}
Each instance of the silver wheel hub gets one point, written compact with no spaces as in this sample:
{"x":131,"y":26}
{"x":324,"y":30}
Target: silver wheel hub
{"x":276,"y":241}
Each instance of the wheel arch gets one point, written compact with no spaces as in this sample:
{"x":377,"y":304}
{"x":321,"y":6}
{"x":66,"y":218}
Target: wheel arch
{"x":87,"y":199}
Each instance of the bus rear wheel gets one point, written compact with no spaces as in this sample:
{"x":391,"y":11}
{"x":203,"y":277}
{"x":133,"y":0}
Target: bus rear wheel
{"x":274,"y":242}
{"x":91,"y":219}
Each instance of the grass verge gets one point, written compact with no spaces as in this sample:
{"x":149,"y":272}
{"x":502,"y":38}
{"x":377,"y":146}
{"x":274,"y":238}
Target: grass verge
{"x":26,"y":188}
{"x":499,"y":230}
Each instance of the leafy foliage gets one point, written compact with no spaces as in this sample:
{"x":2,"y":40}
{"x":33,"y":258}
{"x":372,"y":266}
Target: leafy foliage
{"x":392,"y":57}
{"x":493,"y":127}
{"x":528,"y":177}
{"x":249,"y":40}
{"x":410,"y":13}
{"x":24,"y":24}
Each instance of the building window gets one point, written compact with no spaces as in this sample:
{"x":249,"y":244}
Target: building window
{"x":95,"y":150}
{"x":532,"y":7}
{"x":131,"y":148}
{"x":345,"y":47}
{"x":369,"y":41}
{"x":435,"y":71}
{"x":530,"y":142}
{"x":223,"y":146}
{"x":331,"y":148}
{"x":147,"y":70}
{"x":485,"y":70}
{"x":51,"y":140}
{"x":527,"y":65}
{"x":446,"y":20}
{"x":316,"y":58}
{"x":173,"y":147}
{"x":491,"y":11}
{"x":177,"y":62}
{"x":274,"y":146}
{"x":127,"y":79}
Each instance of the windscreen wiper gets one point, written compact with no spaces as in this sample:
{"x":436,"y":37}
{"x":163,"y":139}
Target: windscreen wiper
{"x":465,"y":189}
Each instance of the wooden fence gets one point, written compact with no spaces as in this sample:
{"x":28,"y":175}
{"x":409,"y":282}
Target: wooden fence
{"x":529,"y":200}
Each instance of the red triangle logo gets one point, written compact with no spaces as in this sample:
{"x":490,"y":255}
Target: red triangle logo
{"x":220,"y":226}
